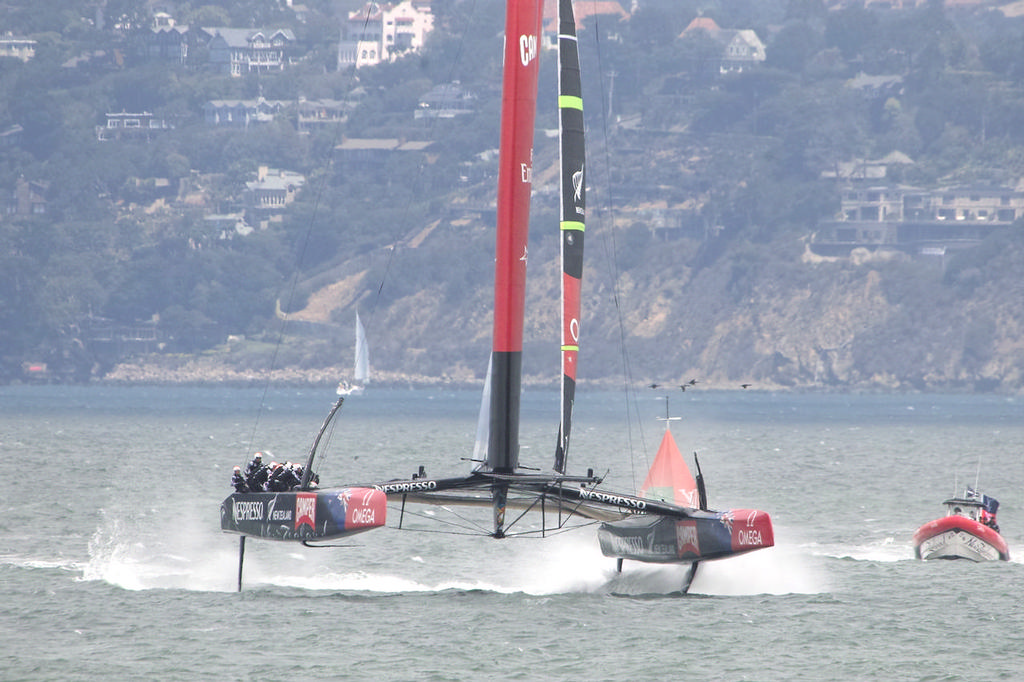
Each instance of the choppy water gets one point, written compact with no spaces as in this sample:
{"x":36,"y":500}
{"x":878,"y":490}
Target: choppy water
{"x":112,"y":564}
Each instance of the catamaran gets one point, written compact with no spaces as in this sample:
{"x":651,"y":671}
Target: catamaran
{"x":642,"y":527}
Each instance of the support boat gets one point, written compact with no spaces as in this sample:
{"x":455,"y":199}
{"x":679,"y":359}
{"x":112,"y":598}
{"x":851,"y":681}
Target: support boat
{"x":967,"y":531}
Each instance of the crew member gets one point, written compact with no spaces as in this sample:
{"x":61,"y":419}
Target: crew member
{"x":256,"y":473}
{"x":274,"y":483}
{"x":288,"y":479}
{"x":238,"y":481}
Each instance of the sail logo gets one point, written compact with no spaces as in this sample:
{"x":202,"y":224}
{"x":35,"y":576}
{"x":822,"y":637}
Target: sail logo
{"x":527,"y":49}
{"x":577,"y":190}
{"x":526,"y":170}
{"x":247,"y":511}
{"x":305,"y":510}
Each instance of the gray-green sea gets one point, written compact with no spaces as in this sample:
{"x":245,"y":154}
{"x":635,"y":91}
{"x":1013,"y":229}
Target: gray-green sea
{"x":112,"y":564}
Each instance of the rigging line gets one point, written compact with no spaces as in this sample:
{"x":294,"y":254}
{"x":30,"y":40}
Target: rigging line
{"x":469,"y":523}
{"x":554,"y":530}
{"x":611,"y":259}
{"x":474,"y":534}
{"x":469,"y":528}
{"x":347,"y":81}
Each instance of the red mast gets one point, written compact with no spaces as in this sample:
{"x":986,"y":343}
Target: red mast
{"x":515,"y":171}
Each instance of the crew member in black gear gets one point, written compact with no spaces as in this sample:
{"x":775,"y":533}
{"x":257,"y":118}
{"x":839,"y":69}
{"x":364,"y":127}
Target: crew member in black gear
{"x":275,"y":484}
{"x":256,"y":473}
{"x":238,"y":481}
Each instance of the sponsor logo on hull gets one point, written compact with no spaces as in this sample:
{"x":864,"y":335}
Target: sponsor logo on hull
{"x":242,"y":510}
{"x":305,"y":510}
{"x":750,"y":529}
{"x":686,"y":538}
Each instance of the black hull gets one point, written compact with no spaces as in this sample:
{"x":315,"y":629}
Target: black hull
{"x":701,"y":537}
{"x":308,"y":516}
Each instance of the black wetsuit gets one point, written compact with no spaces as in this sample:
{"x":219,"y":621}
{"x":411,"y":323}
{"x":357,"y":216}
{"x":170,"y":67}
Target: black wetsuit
{"x":239,"y":482}
{"x":258,"y":478}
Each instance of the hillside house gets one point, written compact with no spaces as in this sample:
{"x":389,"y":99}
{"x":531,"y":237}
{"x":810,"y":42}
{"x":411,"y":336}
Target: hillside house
{"x":370,"y":155}
{"x":382,"y":32}
{"x":917,"y":220}
{"x":19,"y":48}
{"x":28,"y":197}
{"x":740,"y":49}
{"x":311,"y":114}
{"x":238,"y":51}
{"x":241,"y":113}
{"x":267,"y":196}
{"x":131,"y":126}
{"x":166,"y":43}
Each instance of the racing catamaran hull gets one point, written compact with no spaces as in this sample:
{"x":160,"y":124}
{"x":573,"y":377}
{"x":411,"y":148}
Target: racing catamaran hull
{"x":702,"y":536}
{"x":306,"y":516}
{"x":958,"y":537}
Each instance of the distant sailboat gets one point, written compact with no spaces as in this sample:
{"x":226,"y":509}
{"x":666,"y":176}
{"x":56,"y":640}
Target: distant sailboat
{"x":361,"y":375}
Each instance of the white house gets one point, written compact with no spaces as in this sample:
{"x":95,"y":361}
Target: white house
{"x":382,"y":32}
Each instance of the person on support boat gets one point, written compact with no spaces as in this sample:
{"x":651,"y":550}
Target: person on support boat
{"x":238,"y":481}
{"x":989,"y":519}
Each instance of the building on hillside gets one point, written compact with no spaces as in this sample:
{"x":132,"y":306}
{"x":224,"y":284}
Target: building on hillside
{"x":368,"y":156}
{"x":306,"y":114}
{"x":241,"y":113}
{"x":740,"y":49}
{"x":131,"y":126}
{"x":166,"y":43}
{"x":382,"y":32}
{"x":447,"y":100}
{"x":28,"y":197}
{"x":238,"y":51}
{"x":226,"y":225}
{"x":311,"y":114}
{"x":19,"y":48}
{"x":915,"y":220}
{"x":269,"y":194}
{"x":867,"y":170}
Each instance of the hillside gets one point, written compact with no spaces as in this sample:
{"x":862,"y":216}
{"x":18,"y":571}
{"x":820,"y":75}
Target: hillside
{"x":144,"y":257}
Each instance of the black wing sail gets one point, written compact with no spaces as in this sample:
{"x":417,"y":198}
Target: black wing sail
{"x":573,"y":157}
